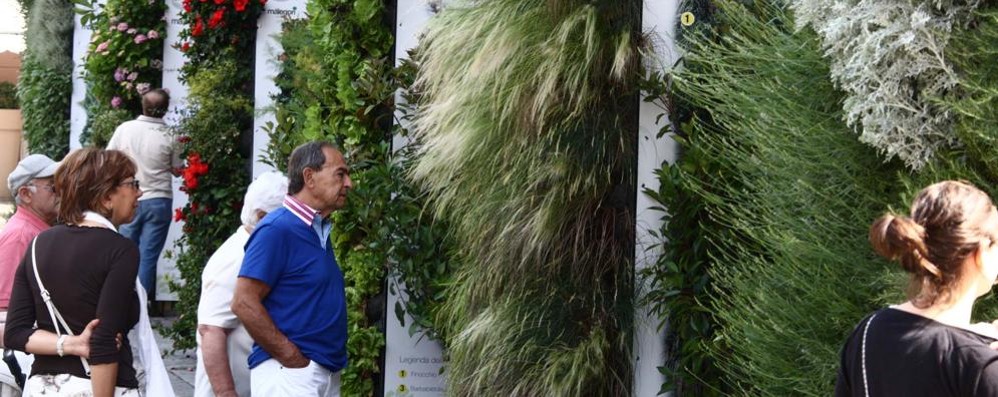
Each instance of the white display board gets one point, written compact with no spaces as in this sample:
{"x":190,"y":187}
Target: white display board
{"x":658,"y":18}
{"x":268,"y":66}
{"x":173,"y":61}
{"x":77,"y":113}
{"x":414,"y":364}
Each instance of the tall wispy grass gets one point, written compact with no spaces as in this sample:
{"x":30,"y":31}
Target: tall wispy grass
{"x":528,"y":131}
{"x":790,"y":193}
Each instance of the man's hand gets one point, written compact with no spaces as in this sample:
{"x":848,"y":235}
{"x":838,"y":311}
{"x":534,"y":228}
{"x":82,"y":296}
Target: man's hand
{"x":248,"y":307}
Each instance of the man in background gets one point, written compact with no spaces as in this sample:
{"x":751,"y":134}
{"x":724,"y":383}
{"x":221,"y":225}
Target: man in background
{"x":34,"y":194}
{"x":151,"y":145}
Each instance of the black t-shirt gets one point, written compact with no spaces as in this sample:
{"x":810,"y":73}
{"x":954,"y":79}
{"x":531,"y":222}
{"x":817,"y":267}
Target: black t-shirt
{"x":90,"y":273}
{"x":910,"y":355}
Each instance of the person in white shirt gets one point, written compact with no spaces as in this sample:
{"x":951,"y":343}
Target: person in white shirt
{"x":149,"y":142}
{"x":223,"y":343}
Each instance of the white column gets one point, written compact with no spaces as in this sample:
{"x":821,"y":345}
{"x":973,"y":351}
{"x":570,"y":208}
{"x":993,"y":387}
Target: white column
{"x":414,"y":364}
{"x":659,"y":18}
{"x":173,"y":61}
{"x":77,"y":114}
{"x":268,"y":66}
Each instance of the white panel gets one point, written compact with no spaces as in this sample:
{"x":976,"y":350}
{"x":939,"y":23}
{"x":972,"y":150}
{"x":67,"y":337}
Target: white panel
{"x":77,"y":114}
{"x":173,"y":60}
{"x":659,"y":19}
{"x":268,"y":49}
{"x":414,"y":364}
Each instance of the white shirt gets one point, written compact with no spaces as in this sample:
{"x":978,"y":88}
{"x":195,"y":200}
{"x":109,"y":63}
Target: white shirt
{"x":218,"y":283}
{"x":151,"y":145}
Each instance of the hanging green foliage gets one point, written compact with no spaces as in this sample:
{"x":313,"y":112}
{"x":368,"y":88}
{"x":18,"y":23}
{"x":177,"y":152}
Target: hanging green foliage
{"x":527,"y":130}
{"x":219,"y":45}
{"x":788,"y":194}
{"x":45,"y":86}
{"x":337,"y":84}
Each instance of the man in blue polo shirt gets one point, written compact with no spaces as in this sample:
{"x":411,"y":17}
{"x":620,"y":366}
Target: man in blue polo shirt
{"x":290,"y":294}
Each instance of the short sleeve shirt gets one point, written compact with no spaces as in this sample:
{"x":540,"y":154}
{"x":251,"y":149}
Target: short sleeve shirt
{"x":307,"y":299}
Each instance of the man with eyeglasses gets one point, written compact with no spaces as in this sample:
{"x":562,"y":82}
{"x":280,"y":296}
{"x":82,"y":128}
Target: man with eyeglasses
{"x":34,"y":194}
{"x":149,"y":142}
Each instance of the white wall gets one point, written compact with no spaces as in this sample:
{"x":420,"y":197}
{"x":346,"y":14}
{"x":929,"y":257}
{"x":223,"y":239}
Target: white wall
{"x":659,"y":19}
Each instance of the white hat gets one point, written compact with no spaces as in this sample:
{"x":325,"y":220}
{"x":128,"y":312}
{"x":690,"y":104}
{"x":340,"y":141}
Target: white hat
{"x":32,"y":167}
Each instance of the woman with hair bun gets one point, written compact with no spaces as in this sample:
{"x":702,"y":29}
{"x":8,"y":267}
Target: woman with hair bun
{"x":927,"y":345}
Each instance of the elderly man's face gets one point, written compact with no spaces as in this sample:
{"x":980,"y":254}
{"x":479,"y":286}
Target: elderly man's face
{"x":332,"y":180}
{"x":39,"y":195}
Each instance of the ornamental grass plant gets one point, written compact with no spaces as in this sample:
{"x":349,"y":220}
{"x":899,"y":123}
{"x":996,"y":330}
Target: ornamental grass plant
{"x":527,"y":130}
{"x":790,"y":193}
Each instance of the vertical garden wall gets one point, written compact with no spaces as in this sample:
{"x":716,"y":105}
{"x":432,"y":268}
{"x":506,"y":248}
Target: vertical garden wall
{"x":527,"y":124}
{"x":44,"y":85}
{"x":789,"y":152}
{"x":338,"y":85}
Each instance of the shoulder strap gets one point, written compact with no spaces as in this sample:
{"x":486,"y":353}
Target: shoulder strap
{"x":866,"y":383}
{"x":57,"y":318}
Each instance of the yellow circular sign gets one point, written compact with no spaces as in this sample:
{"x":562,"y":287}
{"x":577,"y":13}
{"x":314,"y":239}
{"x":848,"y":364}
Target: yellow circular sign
{"x":687,"y":18}
{"x":402,"y":388}
{"x":402,"y":373}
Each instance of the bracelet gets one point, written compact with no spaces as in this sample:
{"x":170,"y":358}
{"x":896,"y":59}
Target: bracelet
{"x":58,"y":346}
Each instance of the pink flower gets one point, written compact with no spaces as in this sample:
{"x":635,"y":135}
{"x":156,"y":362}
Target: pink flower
{"x":122,"y":27}
{"x":140,"y":39}
{"x":102,"y":47}
{"x":142,"y":88}
{"x":132,"y":76}
{"x":119,"y":75}
{"x":157,"y":64}
{"x":132,"y":31}
{"x":153,"y":35}
{"x":116,"y":102}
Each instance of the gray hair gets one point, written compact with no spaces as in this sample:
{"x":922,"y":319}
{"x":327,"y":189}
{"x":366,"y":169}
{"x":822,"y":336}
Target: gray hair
{"x":308,"y":155}
{"x":265,"y":194}
{"x":17,"y":196}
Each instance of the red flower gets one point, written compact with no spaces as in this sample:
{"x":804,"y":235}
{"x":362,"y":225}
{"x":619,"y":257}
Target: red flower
{"x":216,"y":18}
{"x":240,"y":5}
{"x":198,"y":27}
{"x":263,"y":2}
{"x":219,"y":2}
{"x":187,"y":6}
{"x":178,"y":215}
{"x":186,"y":46}
{"x":183,"y":139}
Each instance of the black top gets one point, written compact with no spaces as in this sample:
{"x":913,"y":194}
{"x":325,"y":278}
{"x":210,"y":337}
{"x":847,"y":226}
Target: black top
{"x":910,"y":355}
{"x":90,"y":273}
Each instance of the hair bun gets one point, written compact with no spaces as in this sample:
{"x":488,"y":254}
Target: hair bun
{"x":895,"y":237}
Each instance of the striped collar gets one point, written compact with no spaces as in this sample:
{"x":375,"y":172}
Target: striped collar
{"x":300,"y":209}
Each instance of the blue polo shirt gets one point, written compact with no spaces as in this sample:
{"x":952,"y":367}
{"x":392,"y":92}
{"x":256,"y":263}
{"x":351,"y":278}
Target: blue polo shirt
{"x":307,"y":299}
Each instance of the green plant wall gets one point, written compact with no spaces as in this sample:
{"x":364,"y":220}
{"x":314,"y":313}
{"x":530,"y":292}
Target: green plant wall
{"x":338,"y":85}
{"x":788,"y":193}
{"x":219,"y":44}
{"x":527,"y":130}
{"x":123,"y":61}
{"x":772,"y":200}
{"x":45,"y":86}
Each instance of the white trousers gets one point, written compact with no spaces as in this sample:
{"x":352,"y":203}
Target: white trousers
{"x":270,"y":378}
{"x":68,"y":385}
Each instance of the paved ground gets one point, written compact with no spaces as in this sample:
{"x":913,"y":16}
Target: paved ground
{"x":180,"y":365}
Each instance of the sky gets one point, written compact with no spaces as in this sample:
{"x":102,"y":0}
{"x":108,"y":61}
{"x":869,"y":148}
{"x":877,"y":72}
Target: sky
{"x":11,"y":22}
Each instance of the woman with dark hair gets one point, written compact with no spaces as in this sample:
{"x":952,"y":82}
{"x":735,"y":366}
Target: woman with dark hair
{"x":87,"y":271}
{"x":927,"y":345}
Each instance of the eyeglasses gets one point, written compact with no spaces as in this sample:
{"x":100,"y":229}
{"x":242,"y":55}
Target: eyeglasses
{"x":134,"y":183}
{"x":47,"y":186}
